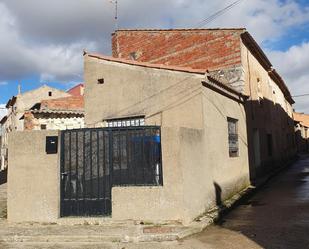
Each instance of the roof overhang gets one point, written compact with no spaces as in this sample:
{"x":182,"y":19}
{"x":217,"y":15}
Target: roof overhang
{"x":258,"y":53}
{"x":223,"y":89}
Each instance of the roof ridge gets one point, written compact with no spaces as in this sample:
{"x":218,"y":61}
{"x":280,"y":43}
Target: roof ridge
{"x":181,"y":29}
{"x":147,"y":64}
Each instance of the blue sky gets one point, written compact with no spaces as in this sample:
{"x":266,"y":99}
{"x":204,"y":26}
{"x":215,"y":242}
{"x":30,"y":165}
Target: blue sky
{"x":41,"y":42}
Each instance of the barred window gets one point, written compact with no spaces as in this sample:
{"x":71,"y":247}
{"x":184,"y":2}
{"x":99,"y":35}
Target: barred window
{"x":126,"y":122}
{"x":233,"y":137}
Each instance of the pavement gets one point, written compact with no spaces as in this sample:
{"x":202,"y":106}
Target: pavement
{"x":277,"y":216}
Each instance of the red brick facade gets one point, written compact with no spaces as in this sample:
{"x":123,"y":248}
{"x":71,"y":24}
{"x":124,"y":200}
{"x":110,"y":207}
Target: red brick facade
{"x":199,"y":49}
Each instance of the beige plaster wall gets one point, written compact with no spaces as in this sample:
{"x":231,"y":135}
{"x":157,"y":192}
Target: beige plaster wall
{"x":194,"y":138}
{"x":132,"y":90}
{"x":155,"y":203}
{"x":205,"y":157}
{"x":33,"y":178}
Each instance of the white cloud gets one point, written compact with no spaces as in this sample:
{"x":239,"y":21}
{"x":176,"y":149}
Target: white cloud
{"x":293,"y":64}
{"x":46,"y":37}
{"x":3,"y":83}
{"x":62,"y":62}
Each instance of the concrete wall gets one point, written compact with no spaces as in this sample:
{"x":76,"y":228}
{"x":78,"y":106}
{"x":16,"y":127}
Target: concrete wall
{"x":210,"y":174}
{"x":155,"y":203}
{"x":33,"y":178}
{"x":133,"y":90}
{"x":194,"y":138}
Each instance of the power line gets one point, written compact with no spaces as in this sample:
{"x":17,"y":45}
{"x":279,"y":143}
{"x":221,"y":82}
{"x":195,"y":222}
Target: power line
{"x":302,"y":95}
{"x":217,"y":14}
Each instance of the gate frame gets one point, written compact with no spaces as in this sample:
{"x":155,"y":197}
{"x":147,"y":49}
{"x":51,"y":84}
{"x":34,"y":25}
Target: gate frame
{"x":110,"y":139}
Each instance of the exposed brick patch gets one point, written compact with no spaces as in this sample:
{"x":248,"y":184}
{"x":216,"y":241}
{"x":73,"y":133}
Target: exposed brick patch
{"x":198,"y":49}
{"x":29,"y":121}
{"x":67,"y":103}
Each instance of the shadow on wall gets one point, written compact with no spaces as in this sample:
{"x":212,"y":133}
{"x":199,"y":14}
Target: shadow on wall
{"x":302,"y":144}
{"x":271,"y":137}
{"x":219,"y":203}
{"x":3,"y":176}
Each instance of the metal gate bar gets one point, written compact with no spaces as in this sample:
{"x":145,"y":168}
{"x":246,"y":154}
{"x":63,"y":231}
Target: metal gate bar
{"x":95,"y":160}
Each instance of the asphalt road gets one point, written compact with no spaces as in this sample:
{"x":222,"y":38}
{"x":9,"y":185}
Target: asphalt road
{"x":275,"y":217}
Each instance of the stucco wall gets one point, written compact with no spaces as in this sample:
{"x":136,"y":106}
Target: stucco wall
{"x":33,"y":178}
{"x":132,"y":90}
{"x":155,"y":203}
{"x":194,"y":137}
{"x":205,"y":156}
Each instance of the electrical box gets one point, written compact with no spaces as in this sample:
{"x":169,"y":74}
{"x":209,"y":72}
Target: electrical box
{"x":52,"y":145}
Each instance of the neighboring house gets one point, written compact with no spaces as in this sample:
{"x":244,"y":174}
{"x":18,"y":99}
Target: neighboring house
{"x":301,"y":131}
{"x":234,"y":58}
{"x":77,"y":90}
{"x":18,"y":105}
{"x":56,"y":114}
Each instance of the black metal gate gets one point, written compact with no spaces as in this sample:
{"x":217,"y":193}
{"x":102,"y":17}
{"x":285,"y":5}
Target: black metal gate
{"x":94,"y":160}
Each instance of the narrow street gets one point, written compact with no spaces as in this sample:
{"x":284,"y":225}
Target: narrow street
{"x":276,"y":217}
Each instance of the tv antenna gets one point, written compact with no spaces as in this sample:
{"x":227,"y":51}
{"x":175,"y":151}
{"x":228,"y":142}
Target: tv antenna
{"x":115,"y":2}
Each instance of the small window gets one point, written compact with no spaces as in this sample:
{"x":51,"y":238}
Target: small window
{"x":101,"y":81}
{"x":50,"y":94}
{"x":233,"y":137}
{"x":270,"y":144}
{"x":43,"y":127}
{"x":126,"y":122}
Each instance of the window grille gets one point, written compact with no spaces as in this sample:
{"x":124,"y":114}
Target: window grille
{"x":126,"y":122}
{"x":233,"y":137}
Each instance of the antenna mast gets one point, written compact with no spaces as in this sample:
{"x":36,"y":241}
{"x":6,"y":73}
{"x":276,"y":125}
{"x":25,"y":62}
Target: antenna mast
{"x":116,"y":12}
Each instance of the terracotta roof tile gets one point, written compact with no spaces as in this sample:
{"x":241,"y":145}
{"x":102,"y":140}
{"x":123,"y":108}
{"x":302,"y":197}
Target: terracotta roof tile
{"x":149,"y":65}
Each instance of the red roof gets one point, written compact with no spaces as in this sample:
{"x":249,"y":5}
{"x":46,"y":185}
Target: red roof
{"x":77,"y":90}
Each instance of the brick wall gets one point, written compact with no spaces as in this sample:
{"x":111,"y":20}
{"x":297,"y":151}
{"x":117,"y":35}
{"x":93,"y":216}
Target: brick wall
{"x":67,"y":103}
{"x":200,"y":49}
{"x":29,"y":121}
